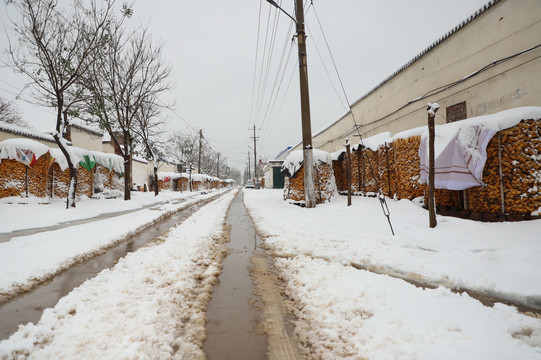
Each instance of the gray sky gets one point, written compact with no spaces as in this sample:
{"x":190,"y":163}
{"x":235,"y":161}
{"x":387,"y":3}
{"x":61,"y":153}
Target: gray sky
{"x":211,"y":46}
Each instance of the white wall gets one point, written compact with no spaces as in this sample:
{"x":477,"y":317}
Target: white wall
{"x":502,"y":31}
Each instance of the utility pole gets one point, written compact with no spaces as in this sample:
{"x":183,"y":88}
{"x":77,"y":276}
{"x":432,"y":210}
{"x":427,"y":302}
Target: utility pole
{"x":218,"y":166}
{"x":309,"y":188}
{"x":200,"y":148}
{"x":308,"y":155}
{"x":255,"y":154}
{"x":249,"y":169}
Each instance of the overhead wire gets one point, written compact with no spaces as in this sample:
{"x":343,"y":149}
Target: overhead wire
{"x":381,"y":197}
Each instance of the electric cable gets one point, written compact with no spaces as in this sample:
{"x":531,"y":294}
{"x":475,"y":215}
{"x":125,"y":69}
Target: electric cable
{"x":381,"y":197}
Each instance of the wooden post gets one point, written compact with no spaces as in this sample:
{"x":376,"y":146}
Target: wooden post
{"x":388,"y":170}
{"x":348,"y":165}
{"x":502,"y":191}
{"x":359,"y":168}
{"x":432,"y":109}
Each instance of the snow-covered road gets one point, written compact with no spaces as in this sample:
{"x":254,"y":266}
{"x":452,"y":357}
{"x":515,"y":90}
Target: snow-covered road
{"x":29,"y":260}
{"x":151,"y":305}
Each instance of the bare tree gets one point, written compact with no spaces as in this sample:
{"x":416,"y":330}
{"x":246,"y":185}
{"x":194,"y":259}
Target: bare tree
{"x":150,"y":127}
{"x":184,"y":149}
{"x":57,"y":44}
{"x":130,"y":71}
{"x":9,"y":113}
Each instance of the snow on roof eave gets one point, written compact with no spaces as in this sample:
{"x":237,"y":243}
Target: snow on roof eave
{"x":447,"y":35}
{"x":87,"y":129}
{"x":19,"y":130}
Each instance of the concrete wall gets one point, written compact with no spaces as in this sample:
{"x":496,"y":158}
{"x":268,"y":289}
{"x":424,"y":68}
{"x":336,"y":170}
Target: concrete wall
{"x":504,"y":30}
{"x":85,"y":139}
{"x":140,"y":172}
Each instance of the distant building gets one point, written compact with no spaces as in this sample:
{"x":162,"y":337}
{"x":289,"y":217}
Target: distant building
{"x":274,"y":179}
{"x":488,"y":63}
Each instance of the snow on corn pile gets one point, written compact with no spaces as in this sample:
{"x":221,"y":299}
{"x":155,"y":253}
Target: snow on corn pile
{"x":150,"y":305}
{"x":344,"y":313}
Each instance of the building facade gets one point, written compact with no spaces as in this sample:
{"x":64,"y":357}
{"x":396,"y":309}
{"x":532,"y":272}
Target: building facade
{"x":489,"y":63}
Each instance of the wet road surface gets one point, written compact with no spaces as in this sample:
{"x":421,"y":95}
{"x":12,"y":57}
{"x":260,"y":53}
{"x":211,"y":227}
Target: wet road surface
{"x":29,"y":306}
{"x":233,"y":318}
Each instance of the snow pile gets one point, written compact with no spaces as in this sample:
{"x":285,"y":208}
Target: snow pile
{"x":151,"y":305}
{"x":295,"y":160}
{"x":343,"y":313}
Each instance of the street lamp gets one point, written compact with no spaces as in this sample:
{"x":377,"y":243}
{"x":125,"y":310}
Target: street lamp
{"x":308,"y":156}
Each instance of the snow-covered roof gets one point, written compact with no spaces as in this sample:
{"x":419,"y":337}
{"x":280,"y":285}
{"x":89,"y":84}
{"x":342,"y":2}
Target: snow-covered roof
{"x":295,"y":160}
{"x":282,"y":155}
{"x":19,"y":130}
{"x":139,"y":159}
{"x":86,"y":127}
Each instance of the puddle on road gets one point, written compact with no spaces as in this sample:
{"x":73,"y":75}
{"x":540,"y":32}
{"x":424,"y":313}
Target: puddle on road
{"x":246,"y":318}
{"x":29,"y":306}
{"x":233,"y":316}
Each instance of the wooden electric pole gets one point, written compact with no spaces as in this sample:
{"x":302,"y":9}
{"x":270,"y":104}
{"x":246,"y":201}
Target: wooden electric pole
{"x":309,"y":188}
{"x":255,"y":155}
{"x":200,"y":148}
{"x":218,"y":166}
{"x":432,"y":109}
{"x":249,"y":170}
{"x":308,"y":155}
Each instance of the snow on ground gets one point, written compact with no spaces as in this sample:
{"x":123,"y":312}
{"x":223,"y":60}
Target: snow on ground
{"x":344,"y":313}
{"x":354,"y":312}
{"x":70,"y":244}
{"x":150,"y":305}
{"x":26,"y":213}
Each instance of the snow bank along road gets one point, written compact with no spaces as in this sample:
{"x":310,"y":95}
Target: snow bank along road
{"x":151,"y":305}
{"x":26,"y":261}
{"x":345,"y":312}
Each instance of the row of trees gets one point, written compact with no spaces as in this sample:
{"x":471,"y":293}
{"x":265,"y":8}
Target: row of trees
{"x":189,"y":148}
{"x":82,"y":59}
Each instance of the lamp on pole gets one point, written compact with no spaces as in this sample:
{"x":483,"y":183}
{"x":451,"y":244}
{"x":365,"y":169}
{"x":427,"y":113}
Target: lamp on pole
{"x":308,"y":156}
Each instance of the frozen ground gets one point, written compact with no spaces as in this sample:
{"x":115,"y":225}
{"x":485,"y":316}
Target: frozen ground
{"x":65,"y":246}
{"x":348,"y":313}
{"x":150,"y":305}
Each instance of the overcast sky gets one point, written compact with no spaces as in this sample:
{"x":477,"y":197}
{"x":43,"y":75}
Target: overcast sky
{"x":211,"y":46}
